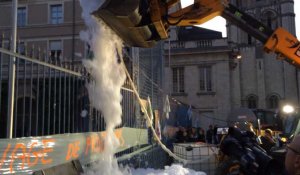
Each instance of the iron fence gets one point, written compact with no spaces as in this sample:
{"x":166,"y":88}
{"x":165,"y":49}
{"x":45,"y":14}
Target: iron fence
{"x":51,"y":98}
{"x":50,"y":95}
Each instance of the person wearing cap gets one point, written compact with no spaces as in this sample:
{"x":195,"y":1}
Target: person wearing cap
{"x":292,"y":158}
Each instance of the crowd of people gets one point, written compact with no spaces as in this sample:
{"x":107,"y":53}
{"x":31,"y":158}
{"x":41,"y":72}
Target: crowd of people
{"x":194,"y":134}
{"x":211,"y":136}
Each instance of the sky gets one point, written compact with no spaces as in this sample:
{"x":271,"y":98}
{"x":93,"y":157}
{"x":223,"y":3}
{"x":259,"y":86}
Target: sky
{"x":221,"y":21}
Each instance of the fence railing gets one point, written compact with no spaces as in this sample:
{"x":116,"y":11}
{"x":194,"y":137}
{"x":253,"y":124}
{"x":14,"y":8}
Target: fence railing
{"x":50,"y":97}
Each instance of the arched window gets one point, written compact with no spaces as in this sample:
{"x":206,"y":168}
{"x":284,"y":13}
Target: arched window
{"x":252,"y":101}
{"x":270,"y":18}
{"x":273,"y":101}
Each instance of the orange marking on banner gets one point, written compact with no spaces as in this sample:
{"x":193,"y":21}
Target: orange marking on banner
{"x":35,"y":155}
{"x":87,"y":144}
{"x":103,"y":134}
{"x":93,"y":144}
{"x":96,"y":144}
{"x":47,"y":150}
{"x":119,"y":135}
{"x":73,"y":149}
{"x":4,"y":155}
{"x":23,"y":147}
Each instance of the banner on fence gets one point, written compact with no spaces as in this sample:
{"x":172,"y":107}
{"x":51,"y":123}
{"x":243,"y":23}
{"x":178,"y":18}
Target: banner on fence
{"x":26,"y":155}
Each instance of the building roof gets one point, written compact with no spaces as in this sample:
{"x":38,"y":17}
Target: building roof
{"x":192,"y":33}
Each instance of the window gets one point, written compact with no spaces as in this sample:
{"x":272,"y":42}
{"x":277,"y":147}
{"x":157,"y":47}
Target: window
{"x":178,"y":80}
{"x":273,"y":101}
{"x":270,"y":18}
{"x":56,"y":14}
{"x":252,"y":102}
{"x":55,"y":48}
{"x":21,"y":16}
{"x":205,"y":79}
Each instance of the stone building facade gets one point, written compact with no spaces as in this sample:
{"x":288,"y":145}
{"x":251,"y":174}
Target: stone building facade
{"x":261,"y":80}
{"x":210,"y":78}
{"x":51,"y":26}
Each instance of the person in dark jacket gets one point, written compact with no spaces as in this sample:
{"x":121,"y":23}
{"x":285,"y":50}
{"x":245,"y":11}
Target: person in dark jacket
{"x":193,"y":135}
{"x":215,"y":136}
{"x":209,"y":134}
{"x":182,"y":135}
{"x":201,"y":135}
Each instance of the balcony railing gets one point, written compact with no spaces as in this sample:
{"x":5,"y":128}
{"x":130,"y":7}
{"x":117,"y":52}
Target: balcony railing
{"x":196,"y":44}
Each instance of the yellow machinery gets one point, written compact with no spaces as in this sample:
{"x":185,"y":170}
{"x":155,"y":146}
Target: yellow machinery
{"x":141,"y":23}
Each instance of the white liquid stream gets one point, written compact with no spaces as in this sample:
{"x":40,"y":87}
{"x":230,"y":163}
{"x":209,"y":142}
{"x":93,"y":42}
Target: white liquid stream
{"x":105,"y":92}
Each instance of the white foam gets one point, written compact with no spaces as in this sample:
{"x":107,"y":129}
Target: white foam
{"x":108,"y":77}
{"x":105,"y":92}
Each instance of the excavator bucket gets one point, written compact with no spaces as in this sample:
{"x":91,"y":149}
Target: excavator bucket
{"x":129,"y":19}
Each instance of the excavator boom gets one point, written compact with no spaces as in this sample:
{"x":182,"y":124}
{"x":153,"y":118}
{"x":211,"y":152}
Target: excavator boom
{"x":141,"y":23}
{"x":125,"y":18}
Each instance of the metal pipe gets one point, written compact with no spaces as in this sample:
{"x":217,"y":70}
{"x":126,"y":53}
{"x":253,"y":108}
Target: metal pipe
{"x":55,"y":104}
{"x":16,"y":97}
{"x":77,"y":107}
{"x":129,"y":109}
{"x":59,"y":107}
{"x":125,"y":106}
{"x":31,"y":98}
{"x":24,"y":100}
{"x":37,"y":100}
{"x":73,"y":103}
{"x":69,"y":106}
{"x":85,"y":120}
{"x":49,"y":100}
{"x":42,"y":63}
{"x":43,"y":102}
{"x":64,"y":107}
{"x":126,"y":89}
{"x":12,"y":72}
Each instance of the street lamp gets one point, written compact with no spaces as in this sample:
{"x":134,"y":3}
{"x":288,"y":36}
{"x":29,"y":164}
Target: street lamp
{"x":235,"y":57}
{"x":236,"y":54}
{"x":239,"y":56}
{"x":288,"y":109}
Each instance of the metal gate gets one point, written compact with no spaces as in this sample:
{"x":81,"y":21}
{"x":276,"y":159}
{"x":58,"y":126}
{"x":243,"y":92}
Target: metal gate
{"x":50,"y":96}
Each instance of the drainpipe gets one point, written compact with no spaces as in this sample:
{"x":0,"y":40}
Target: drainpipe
{"x":12,"y":71}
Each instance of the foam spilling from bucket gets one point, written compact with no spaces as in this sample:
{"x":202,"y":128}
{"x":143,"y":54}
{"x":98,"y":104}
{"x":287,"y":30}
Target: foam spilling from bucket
{"x":108,"y":77}
{"x":105,"y":91}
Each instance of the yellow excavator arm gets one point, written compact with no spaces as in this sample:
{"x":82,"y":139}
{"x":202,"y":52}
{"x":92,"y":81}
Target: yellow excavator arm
{"x":141,"y":23}
{"x":285,"y":45}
